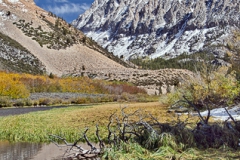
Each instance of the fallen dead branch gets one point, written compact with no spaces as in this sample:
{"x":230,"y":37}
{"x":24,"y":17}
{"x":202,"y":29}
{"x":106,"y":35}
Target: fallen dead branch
{"x":146,"y":130}
{"x":149,"y":132}
{"x":76,"y":151}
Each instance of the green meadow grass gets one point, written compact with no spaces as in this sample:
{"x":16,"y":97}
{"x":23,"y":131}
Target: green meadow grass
{"x":36,"y":126}
{"x":71,"y":122}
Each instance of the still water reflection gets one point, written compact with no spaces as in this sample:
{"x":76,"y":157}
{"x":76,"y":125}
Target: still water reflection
{"x":29,"y":151}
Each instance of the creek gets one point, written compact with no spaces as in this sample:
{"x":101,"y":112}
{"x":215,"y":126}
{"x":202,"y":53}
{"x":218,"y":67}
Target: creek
{"x":32,"y":151}
{"x":29,"y":151}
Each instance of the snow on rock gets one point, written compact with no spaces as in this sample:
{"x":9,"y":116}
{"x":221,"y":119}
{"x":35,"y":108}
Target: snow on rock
{"x":13,"y":1}
{"x":221,"y":114}
{"x":158,"y":28}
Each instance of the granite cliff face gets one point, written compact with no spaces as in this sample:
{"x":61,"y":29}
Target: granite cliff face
{"x":159,"y":27}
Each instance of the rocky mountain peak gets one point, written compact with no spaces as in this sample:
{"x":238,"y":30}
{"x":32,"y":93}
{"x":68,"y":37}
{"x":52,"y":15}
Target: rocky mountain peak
{"x":159,"y":27}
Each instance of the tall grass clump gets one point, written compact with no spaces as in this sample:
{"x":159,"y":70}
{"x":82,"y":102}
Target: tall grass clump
{"x":35,"y":127}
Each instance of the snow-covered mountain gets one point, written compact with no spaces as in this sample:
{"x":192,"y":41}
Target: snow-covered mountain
{"x":159,"y":27}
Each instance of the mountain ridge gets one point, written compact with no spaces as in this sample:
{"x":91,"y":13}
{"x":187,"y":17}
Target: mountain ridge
{"x":159,"y":27}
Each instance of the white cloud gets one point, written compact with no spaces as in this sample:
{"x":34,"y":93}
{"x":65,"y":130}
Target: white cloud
{"x":68,"y":8}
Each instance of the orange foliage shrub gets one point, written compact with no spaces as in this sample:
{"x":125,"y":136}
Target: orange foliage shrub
{"x":78,"y":85}
{"x":11,"y":86}
{"x":21,"y":85}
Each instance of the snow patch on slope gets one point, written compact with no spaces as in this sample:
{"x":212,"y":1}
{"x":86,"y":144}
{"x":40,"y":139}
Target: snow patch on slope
{"x":99,"y":35}
{"x":13,"y":1}
{"x":1,"y":16}
{"x":121,"y":46}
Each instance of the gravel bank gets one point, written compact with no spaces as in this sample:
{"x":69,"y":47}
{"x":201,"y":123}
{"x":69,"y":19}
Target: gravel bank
{"x":37,"y":96}
{"x":63,"y":96}
{"x":18,"y":111}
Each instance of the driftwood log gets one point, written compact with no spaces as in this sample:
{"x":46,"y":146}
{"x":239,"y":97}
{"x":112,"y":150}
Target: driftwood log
{"x":76,"y":151}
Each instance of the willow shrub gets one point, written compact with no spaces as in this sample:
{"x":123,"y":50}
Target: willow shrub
{"x":12,"y":87}
{"x":217,"y":87}
{"x":16,"y":86}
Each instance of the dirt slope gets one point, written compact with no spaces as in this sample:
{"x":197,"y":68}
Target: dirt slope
{"x":60,"y":61}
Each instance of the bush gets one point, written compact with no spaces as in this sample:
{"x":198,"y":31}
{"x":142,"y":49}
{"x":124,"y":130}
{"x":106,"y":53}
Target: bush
{"x":45,"y":101}
{"x":19,"y":103}
{"x":57,"y":101}
{"x":107,"y":99}
{"x":79,"y":100}
{"x":28,"y":102}
{"x":23,"y":102}
{"x":12,"y":87}
{"x":216,"y":87}
{"x":5,"y":102}
{"x":35,"y":103}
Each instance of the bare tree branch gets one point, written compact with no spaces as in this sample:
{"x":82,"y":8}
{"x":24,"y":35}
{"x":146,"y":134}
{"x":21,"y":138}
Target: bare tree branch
{"x":230,"y":115}
{"x":77,"y":149}
{"x":191,"y":104}
{"x":101,"y":144}
{"x":86,"y":138}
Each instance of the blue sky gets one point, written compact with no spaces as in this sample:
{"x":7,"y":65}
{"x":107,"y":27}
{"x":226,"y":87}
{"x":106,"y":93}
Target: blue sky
{"x":66,"y":9}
